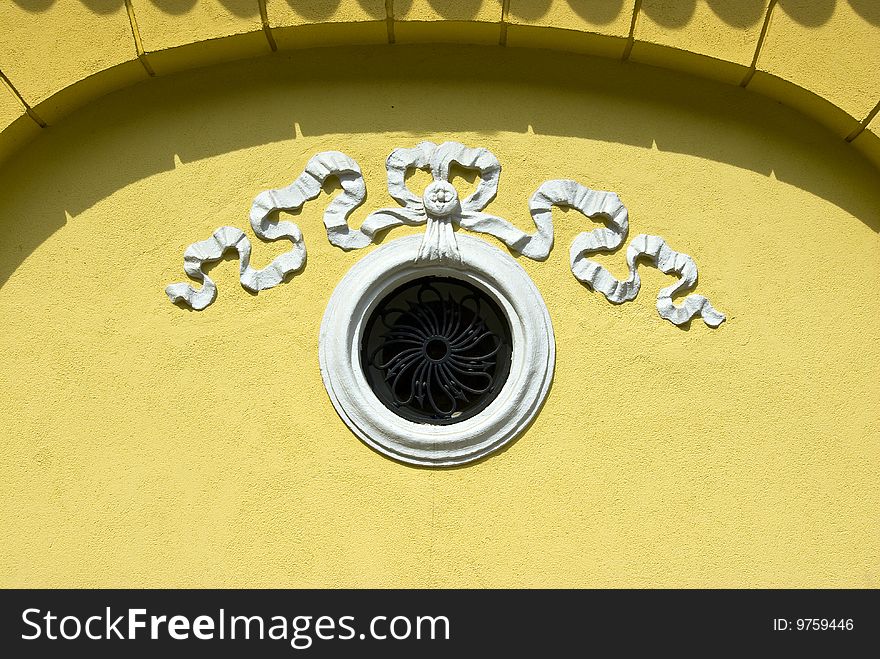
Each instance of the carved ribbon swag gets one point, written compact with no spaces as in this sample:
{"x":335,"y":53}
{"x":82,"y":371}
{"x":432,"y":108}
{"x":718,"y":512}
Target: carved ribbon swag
{"x":441,"y":209}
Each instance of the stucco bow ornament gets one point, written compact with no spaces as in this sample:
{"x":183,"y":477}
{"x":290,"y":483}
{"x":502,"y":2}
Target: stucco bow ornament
{"x":441,"y":208}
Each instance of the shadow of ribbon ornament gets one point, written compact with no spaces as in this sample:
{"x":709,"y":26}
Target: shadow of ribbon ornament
{"x":441,"y":209}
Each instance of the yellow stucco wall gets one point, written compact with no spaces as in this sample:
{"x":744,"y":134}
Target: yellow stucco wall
{"x":146,"y":445}
{"x":816,"y":57}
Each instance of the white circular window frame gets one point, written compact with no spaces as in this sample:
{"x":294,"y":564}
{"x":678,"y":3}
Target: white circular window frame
{"x":533,"y":354}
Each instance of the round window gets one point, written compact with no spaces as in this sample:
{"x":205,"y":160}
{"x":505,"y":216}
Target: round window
{"x":436,"y":350}
{"x":436,"y":363}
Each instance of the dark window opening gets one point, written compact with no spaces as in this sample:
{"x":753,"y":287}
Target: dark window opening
{"x":436,"y":350}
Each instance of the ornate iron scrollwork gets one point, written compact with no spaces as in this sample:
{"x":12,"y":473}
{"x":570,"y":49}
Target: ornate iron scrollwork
{"x":436,"y":350}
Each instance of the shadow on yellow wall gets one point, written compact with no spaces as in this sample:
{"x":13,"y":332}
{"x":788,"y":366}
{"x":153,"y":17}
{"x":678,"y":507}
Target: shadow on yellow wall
{"x":147,"y":446}
{"x":745,"y":13}
{"x":138,"y":132}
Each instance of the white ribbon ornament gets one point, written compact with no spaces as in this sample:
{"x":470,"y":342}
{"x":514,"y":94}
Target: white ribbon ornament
{"x":306,"y":187}
{"x":441,"y":209}
{"x":607,"y":205}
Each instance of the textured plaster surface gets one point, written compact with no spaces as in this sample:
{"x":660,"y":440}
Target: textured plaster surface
{"x":818,"y":56}
{"x":327,"y":22}
{"x":599,"y":27}
{"x":609,"y":17}
{"x":449,"y":10}
{"x":283,"y":13}
{"x":197,"y":33}
{"x":679,"y":34}
{"x":874,"y":125}
{"x":193,"y":21}
{"x":731,"y":38}
{"x":832,"y":52}
{"x":11,"y":108}
{"x":747,"y":455}
{"x":465,"y":21}
{"x":18,"y":128}
{"x":44,"y":52}
{"x":868,"y":141}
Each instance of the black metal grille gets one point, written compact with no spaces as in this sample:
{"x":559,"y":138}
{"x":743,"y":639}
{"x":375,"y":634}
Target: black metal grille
{"x":436,"y":350}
